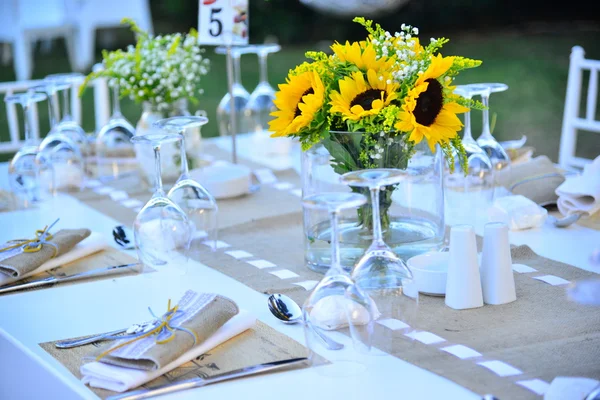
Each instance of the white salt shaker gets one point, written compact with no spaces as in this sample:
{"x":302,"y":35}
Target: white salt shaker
{"x":463,"y":284}
{"x":497,"y":278}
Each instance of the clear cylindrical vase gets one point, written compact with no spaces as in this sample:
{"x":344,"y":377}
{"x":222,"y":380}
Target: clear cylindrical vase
{"x":412,"y":212}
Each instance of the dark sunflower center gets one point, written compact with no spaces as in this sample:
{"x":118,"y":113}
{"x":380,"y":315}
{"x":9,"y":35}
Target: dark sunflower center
{"x":365,"y":99}
{"x":429,"y":103}
{"x":298,"y":112}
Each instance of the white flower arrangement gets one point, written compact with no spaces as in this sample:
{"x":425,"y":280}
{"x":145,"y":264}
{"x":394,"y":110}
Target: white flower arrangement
{"x":158,"y":69}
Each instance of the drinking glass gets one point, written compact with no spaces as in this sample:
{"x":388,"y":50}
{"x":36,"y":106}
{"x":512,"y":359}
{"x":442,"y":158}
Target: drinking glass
{"x":336,"y":304}
{"x":240,"y":95}
{"x":469,"y":193}
{"x":199,"y":205}
{"x":67,"y":126}
{"x":260,"y":103}
{"x":113,"y":143}
{"x":162,"y":230}
{"x":380,"y":272}
{"x":50,"y":89}
{"x":25,"y":171}
{"x":59,"y":151}
{"x":486,"y":141}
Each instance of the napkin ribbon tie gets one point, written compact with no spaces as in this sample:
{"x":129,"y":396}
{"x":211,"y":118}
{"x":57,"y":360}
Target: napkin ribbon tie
{"x":163,"y":330}
{"x":42,"y":237}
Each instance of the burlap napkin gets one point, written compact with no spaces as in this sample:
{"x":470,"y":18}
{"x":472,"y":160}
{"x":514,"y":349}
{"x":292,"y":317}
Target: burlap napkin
{"x":203,"y":314}
{"x":15,"y":263}
{"x":536,"y":179}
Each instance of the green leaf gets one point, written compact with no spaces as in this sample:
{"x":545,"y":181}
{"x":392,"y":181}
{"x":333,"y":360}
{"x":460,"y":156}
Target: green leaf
{"x":343,"y":161}
{"x":174,"y":46}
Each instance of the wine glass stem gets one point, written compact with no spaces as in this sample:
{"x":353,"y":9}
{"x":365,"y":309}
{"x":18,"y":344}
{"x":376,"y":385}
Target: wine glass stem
{"x":184,"y":164}
{"x":467,"y":131}
{"x":67,"y":104}
{"x":237,"y":73}
{"x":262,"y":62}
{"x":51,"y":110}
{"x":468,"y":134}
{"x":485,"y":99}
{"x":377,"y":234}
{"x":335,"y":244}
{"x":159,"y":185}
{"x":116,"y":111}
{"x":26,"y":126}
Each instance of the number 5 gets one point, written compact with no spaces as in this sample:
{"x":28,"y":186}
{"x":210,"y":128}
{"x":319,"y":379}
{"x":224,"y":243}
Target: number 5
{"x":219,"y":26}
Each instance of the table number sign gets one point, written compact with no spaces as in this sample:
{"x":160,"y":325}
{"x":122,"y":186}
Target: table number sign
{"x":223,"y":22}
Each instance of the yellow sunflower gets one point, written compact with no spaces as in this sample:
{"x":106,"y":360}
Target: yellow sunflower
{"x":362,"y":55}
{"x":424,"y":113}
{"x":297,"y":101}
{"x":358,"y":98}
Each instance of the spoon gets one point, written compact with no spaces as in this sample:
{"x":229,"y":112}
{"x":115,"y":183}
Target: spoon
{"x":134,"y":329}
{"x":124,"y":238}
{"x":289,"y":312}
{"x":564,"y":222}
{"x":514,"y":144}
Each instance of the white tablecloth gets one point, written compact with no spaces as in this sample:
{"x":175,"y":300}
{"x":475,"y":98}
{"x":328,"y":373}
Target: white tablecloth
{"x":29,"y":318}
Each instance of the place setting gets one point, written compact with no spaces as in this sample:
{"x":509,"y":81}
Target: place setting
{"x":359,"y":219}
{"x":60,"y":256}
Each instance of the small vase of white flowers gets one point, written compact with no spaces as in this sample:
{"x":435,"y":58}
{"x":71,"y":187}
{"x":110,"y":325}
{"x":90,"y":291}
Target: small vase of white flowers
{"x":161,"y":73}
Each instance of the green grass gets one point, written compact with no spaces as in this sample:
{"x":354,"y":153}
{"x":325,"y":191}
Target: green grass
{"x":535,"y":67}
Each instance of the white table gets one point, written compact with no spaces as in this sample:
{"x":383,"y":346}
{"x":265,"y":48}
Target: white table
{"x":29,"y":318}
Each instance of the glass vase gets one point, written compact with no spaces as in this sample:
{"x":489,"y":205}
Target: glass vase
{"x":412,"y":212}
{"x":170,"y":152}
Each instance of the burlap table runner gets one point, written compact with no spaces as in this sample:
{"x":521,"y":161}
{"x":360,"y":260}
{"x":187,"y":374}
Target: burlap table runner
{"x":260,"y":344}
{"x":265,"y":202}
{"x":542,"y":333}
{"x":24,"y":262}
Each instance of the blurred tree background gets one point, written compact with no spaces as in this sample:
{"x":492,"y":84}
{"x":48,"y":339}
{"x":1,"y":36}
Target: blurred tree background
{"x":523,"y":43}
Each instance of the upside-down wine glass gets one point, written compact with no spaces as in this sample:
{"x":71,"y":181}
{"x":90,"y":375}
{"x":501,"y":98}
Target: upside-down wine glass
{"x":58,"y":149}
{"x":162,"y":230}
{"x":469,"y":193}
{"x":498,"y":156}
{"x":25,"y":170}
{"x":199,"y":205}
{"x":336,"y":303}
{"x":66,"y":160}
{"x":240,"y":95}
{"x":260,"y":103}
{"x":380,"y":272}
{"x":113,"y":143}
{"x":66,"y":125}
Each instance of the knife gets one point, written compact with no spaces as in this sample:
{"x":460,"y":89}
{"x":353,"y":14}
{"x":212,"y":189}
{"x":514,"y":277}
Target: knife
{"x":199,"y":382}
{"x":54,"y":279}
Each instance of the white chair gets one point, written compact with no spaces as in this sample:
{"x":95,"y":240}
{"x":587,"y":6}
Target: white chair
{"x":24,"y":22}
{"x":90,"y":15}
{"x":14,"y":143}
{"x":572,"y":122}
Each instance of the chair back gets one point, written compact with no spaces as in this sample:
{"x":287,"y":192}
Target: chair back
{"x":575,"y":119}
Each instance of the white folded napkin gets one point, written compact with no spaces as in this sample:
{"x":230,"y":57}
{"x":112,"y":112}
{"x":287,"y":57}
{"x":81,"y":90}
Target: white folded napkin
{"x":570,"y":388}
{"x":119,"y":379}
{"x":90,"y":245}
{"x":581,"y":193}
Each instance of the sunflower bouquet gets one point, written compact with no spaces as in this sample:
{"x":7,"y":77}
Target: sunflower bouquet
{"x":393,"y":90}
